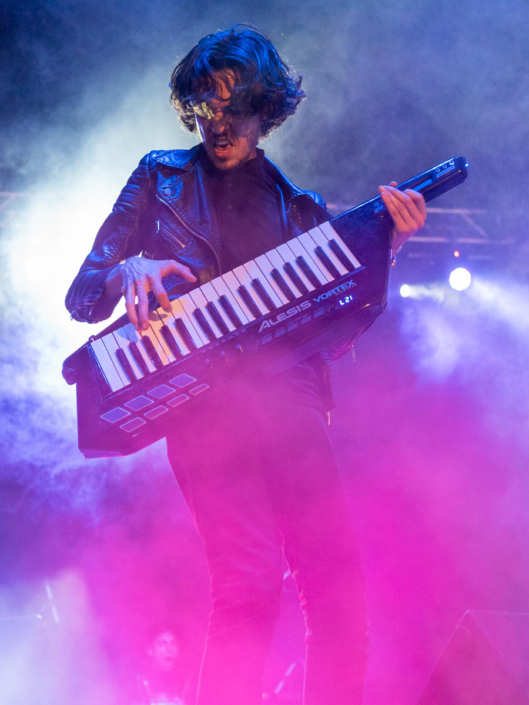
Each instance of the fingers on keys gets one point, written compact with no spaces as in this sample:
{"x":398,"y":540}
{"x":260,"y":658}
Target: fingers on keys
{"x":173,"y":267}
{"x":129,"y":291}
{"x":146,"y":275}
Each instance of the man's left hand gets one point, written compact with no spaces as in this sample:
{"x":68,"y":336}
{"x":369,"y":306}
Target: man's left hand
{"x":408,"y":211}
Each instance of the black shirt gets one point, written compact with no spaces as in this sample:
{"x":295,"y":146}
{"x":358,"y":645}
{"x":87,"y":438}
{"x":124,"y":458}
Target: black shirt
{"x":247,"y":210}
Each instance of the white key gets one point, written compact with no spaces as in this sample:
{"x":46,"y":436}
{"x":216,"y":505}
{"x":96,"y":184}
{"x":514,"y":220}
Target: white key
{"x":320,"y":239}
{"x":189,"y":306}
{"x":288,"y":256}
{"x":331,"y":234}
{"x":108,"y":367}
{"x":156,"y":327}
{"x":277,"y":263}
{"x":200,"y":302}
{"x":222,"y":289}
{"x":266,"y":266}
{"x":183,"y":308}
{"x":134,"y":337}
{"x":212,"y":296}
{"x":255,"y":272}
{"x":299,"y":251}
{"x":151,"y":334}
{"x":246,"y":280}
{"x":233,"y":284}
{"x":112,"y":345}
{"x":169,"y":320}
{"x":124,"y":343}
{"x":308,"y":244}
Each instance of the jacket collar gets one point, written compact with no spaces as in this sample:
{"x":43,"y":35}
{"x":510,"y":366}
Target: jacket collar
{"x":177,"y":158}
{"x":185,"y":194}
{"x":185,"y":159}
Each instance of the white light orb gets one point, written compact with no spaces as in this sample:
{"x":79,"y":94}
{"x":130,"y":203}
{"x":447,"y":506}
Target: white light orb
{"x":405,"y":291}
{"x":460,"y":279}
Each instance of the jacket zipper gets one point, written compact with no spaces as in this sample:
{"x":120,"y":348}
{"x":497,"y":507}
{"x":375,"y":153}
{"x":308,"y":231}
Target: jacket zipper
{"x":186,"y":226}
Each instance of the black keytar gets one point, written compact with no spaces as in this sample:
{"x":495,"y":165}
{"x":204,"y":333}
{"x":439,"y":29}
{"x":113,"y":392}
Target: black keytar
{"x":314,"y":290}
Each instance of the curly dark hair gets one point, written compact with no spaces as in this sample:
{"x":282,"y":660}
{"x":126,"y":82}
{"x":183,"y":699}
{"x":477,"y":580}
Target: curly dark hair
{"x":264,"y":84}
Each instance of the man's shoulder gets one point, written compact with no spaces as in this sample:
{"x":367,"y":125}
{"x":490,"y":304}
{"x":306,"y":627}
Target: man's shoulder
{"x":317,"y":198}
{"x":174,"y":158}
{"x":184,"y":159}
{"x":288,"y":186}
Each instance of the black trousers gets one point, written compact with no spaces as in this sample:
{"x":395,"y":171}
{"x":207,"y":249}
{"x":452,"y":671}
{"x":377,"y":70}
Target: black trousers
{"x":259,"y":475}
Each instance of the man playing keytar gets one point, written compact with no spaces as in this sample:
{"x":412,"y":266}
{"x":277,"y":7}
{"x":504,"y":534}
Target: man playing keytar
{"x":255,"y":464}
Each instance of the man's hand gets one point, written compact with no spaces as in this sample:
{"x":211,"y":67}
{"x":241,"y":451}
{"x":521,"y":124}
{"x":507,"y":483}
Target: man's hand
{"x":408,"y":211}
{"x":137,"y":276}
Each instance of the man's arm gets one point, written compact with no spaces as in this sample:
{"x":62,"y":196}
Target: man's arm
{"x":113,"y":267}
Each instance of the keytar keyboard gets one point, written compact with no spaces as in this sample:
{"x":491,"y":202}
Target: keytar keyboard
{"x":279,"y":308}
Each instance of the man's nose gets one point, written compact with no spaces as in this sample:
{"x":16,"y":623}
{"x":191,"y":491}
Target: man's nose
{"x":219,"y":121}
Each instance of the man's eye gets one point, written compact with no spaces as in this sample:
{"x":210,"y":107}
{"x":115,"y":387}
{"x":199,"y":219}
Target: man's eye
{"x":205,"y":110}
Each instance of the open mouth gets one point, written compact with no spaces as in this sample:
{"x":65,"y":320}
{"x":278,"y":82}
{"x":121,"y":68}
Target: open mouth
{"x":222,"y":146}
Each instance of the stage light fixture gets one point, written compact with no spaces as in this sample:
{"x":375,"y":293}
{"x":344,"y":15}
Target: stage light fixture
{"x":460,"y":279}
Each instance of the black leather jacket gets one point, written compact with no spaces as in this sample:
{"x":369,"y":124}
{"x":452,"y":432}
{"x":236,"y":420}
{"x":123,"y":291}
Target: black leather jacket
{"x":164,"y":212}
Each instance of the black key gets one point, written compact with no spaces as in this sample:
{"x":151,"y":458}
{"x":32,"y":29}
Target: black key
{"x":151,"y":352}
{"x":298,"y":281}
{"x":140,"y":361}
{"x":125,"y":364}
{"x":307,"y":271}
{"x":230,"y":311}
{"x":245,"y":296}
{"x":263,"y":295}
{"x":171,"y":342}
{"x":215,"y":315}
{"x":182,"y":329}
{"x":281,"y":283}
{"x":344,"y":259}
{"x":327,"y":262}
{"x":202,"y":322}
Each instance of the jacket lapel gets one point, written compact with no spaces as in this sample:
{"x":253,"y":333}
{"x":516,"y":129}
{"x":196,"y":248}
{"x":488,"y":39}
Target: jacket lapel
{"x":185,"y":193}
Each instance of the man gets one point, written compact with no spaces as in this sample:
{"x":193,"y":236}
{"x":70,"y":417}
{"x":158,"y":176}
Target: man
{"x":163,"y":680}
{"x":255,"y":465}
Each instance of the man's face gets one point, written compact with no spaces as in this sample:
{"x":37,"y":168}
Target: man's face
{"x":164,"y":651}
{"x":230,"y":140}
